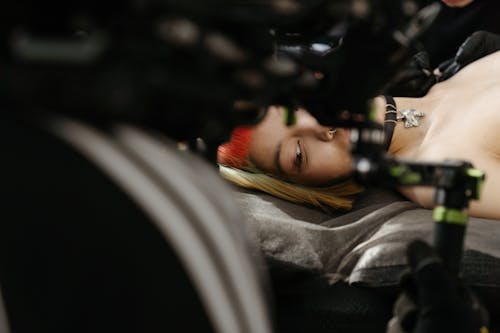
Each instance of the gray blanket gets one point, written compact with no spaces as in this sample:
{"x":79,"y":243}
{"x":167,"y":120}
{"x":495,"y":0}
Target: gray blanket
{"x":366,"y":245}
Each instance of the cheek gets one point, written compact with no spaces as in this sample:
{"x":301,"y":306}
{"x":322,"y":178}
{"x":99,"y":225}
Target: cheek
{"x":341,"y":162}
{"x":333,"y":163}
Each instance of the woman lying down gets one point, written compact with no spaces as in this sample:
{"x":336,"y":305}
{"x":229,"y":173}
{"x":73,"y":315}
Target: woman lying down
{"x":306,"y":163}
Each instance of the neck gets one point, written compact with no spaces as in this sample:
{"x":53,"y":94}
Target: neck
{"x":405,"y":141}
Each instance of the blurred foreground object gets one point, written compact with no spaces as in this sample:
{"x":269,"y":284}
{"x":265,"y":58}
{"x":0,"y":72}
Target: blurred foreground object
{"x":195,"y":69}
{"x":117,"y":231}
{"x":433,"y":300}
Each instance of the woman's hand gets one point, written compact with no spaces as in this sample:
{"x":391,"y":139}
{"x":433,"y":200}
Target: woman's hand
{"x":476,"y":46}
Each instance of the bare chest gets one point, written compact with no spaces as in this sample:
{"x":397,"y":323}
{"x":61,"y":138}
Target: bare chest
{"x":465,"y":127}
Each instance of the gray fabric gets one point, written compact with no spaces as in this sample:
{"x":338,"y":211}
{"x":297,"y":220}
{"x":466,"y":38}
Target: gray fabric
{"x":366,"y":245}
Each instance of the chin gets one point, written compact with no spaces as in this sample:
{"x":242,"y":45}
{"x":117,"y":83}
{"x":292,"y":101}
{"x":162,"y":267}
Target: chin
{"x":457,"y":3}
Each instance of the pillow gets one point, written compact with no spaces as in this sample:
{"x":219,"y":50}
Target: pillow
{"x":364,"y":246}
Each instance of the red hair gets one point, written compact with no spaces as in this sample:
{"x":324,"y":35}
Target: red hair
{"x":235,"y":152}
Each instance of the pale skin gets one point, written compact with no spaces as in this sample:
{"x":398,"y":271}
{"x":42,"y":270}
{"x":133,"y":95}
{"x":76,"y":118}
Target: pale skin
{"x":462,"y":121}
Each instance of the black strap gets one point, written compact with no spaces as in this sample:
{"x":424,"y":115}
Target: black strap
{"x":389,"y":120}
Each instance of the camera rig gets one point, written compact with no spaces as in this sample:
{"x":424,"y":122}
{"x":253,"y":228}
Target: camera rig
{"x":196,"y":69}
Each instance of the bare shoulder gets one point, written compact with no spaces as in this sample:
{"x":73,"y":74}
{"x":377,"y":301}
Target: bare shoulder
{"x":488,"y":204}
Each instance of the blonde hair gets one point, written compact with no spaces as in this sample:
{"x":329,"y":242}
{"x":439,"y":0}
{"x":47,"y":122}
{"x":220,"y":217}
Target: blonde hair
{"x":338,"y":196}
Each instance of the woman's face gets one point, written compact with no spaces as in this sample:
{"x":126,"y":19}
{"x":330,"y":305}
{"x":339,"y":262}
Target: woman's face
{"x":305,"y":153}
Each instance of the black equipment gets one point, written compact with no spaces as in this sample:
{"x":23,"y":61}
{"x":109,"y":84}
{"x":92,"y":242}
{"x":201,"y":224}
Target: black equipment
{"x":113,"y":61}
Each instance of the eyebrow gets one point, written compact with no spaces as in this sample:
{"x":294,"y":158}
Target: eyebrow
{"x":277,"y":163}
